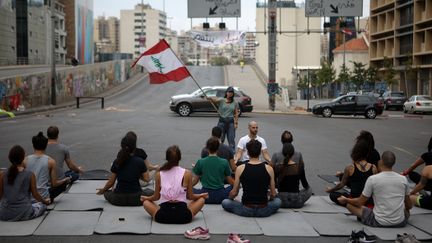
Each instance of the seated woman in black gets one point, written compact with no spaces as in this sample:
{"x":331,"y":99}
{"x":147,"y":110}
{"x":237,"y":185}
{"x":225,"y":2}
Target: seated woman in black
{"x":288,"y":177}
{"x":127,"y":169}
{"x":425,"y":158}
{"x":355,"y":173}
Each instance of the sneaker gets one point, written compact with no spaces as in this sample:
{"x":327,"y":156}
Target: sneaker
{"x":197,"y":233}
{"x":406,"y":238}
{"x":236,"y":238}
{"x":353,"y":238}
{"x":365,"y":238}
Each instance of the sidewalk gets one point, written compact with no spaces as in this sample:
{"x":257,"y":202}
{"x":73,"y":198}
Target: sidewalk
{"x":252,"y":85}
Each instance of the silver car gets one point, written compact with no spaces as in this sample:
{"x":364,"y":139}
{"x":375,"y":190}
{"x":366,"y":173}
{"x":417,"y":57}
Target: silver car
{"x":418,"y":103}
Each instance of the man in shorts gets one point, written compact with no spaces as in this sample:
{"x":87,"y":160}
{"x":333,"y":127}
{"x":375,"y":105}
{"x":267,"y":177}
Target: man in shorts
{"x":422,"y":200}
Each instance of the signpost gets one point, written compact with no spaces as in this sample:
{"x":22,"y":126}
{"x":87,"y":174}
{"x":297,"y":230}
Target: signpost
{"x":213,"y":8}
{"x":333,"y":8}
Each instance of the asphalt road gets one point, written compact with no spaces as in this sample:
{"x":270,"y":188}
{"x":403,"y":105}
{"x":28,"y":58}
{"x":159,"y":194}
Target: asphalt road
{"x":94,"y":137}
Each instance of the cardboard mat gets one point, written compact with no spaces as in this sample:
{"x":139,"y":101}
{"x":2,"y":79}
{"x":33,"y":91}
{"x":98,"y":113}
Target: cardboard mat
{"x":80,"y":202}
{"x":286,"y":224}
{"x":220,"y":221}
{"x":332,"y":224}
{"x":20,"y":228}
{"x":68,"y":223}
{"x":130,"y":222}
{"x":170,"y":229}
{"x":86,"y":186}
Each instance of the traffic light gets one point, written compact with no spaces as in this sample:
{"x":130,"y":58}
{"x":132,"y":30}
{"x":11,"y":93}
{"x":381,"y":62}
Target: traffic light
{"x":222,"y":25}
{"x":206,"y":25}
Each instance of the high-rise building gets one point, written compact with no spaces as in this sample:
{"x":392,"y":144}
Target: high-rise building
{"x":401,"y":32}
{"x":107,"y":34}
{"x":336,"y":36}
{"x":79,"y":29}
{"x":293,"y":50}
{"x":8,"y":33}
{"x":141,"y":28}
{"x":248,"y":51}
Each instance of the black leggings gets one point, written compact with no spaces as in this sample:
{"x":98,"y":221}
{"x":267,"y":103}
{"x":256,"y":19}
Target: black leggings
{"x":415,"y":177}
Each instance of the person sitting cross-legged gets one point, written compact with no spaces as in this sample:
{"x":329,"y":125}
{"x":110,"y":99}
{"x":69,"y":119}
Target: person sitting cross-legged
{"x":422,"y":200}
{"x":390,"y":193}
{"x":173,"y":189}
{"x":212,"y":171}
{"x":256,"y":178}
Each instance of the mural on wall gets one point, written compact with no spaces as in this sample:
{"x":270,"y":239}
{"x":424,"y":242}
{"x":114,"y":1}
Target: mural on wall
{"x":84,"y":30}
{"x":85,"y":80}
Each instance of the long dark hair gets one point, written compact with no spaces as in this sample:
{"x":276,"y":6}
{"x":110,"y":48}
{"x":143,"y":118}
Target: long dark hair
{"x":172,"y":156}
{"x":128,"y":146}
{"x":360,"y":151}
{"x":288,"y":152}
{"x":229,"y":89}
{"x":16,"y":157}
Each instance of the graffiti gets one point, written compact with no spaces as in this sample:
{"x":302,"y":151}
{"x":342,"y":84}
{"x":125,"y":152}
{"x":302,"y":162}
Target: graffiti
{"x":117,"y":73}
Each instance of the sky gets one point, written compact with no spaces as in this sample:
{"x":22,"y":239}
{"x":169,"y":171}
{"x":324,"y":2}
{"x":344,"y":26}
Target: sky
{"x":177,"y":12}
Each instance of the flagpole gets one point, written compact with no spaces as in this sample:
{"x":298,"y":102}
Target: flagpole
{"x":190,"y":74}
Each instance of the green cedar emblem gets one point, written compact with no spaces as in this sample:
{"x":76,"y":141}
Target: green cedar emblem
{"x":157,"y":63}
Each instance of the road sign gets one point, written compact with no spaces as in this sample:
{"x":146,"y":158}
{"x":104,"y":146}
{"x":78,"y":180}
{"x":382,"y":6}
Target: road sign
{"x":272,"y":88}
{"x":213,"y":8}
{"x":333,"y":8}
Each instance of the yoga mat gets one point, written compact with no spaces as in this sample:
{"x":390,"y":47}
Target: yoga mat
{"x":129,"y":222}
{"x":68,"y":223}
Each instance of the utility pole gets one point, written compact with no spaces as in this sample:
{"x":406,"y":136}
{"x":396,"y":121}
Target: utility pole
{"x":53,"y":67}
{"x":272,"y":53}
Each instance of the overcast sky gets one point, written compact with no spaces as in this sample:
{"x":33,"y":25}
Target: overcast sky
{"x":177,"y":12}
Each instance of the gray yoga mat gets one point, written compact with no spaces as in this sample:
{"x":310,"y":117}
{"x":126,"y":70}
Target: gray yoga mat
{"x":332,"y":224}
{"x":68,"y":223}
{"x":220,"y":221}
{"x":423,"y":222}
{"x":316,"y":204}
{"x":20,"y":228}
{"x":95,"y":175}
{"x":86,"y":186}
{"x":339,"y":208}
{"x":109,"y":207}
{"x":286,"y":224}
{"x":80,"y":202}
{"x":130,"y":222}
{"x":170,"y":229}
{"x":391,"y":233}
{"x":416,"y":210}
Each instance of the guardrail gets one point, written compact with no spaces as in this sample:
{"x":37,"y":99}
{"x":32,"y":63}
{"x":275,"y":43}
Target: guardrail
{"x":90,"y":97}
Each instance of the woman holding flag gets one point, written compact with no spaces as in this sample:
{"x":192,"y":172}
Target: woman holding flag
{"x":228,"y":111}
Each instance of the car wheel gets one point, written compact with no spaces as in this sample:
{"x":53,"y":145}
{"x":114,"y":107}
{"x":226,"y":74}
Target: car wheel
{"x":385,"y":106}
{"x":184,"y":109}
{"x":240,"y":110}
{"x":327,"y":112}
{"x":405,"y":110}
{"x":370,"y":114}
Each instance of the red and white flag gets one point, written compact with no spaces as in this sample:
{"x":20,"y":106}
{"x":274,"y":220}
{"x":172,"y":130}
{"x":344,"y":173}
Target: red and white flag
{"x":347,"y":31}
{"x":162,"y":64}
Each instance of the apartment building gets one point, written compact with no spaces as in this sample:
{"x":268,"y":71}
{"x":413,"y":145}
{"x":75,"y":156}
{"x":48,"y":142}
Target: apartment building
{"x":248,"y":51}
{"x":107,"y":34}
{"x":141,"y":28}
{"x":401,"y":30}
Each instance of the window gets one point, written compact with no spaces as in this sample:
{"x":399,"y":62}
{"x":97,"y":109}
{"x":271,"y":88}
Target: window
{"x":211,"y":93}
{"x":406,"y":44}
{"x":406,"y":15}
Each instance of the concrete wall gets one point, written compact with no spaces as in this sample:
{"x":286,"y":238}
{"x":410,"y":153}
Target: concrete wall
{"x":87,"y":80}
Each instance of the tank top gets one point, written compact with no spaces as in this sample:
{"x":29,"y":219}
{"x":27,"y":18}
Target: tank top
{"x":39,"y":166}
{"x":16,"y":201}
{"x":288,"y":182}
{"x":358,"y":180}
{"x":255,"y":181}
{"x":172,"y":185}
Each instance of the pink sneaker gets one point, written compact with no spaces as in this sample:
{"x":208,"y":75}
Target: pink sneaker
{"x":236,"y":238}
{"x":197,"y":233}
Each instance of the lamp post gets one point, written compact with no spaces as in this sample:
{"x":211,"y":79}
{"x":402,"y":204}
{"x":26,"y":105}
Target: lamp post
{"x":53,"y":67}
{"x":272,"y":5}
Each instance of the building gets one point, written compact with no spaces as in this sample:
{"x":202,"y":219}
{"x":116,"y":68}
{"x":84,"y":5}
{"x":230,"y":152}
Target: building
{"x":336,"y":36}
{"x":140,"y":28}
{"x":293,"y":50}
{"x":401,"y":31}
{"x":79,"y":30}
{"x":106,"y":34}
{"x":8,"y":33}
{"x":60,"y":34}
{"x":248,"y":51}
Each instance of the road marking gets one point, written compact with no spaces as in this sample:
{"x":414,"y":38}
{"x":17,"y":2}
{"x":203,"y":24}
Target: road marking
{"x":403,"y":150}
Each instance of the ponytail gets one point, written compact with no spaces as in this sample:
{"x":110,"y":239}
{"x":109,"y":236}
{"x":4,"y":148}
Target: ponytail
{"x":128,"y":146}
{"x":288,"y":152}
{"x":16,"y":157}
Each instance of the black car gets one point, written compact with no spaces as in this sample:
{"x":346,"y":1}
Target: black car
{"x":366,"y":105}
{"x":185,"y":104}
{"x":394,"y":99}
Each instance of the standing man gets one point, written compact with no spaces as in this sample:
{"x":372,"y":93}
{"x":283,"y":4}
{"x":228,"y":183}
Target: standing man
{"x":60,"y":153}
{"x":241,"y":155}
{"x":390,"y":193}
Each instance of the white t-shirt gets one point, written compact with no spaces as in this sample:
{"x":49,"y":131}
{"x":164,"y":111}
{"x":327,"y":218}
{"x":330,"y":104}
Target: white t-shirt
{"x":242,"y":145}
{"x":388,"y":190}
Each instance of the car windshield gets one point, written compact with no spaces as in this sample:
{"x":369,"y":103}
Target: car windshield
{"x":337,"y":99}
{"x":424,"y":98}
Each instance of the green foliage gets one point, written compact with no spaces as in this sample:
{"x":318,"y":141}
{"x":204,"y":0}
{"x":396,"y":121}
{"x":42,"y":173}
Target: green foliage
{"x":359,"y":74}
{"x":302,"y":83}
{"x":344,"y":75}
{"x":372,"y":74}
{"x":219,"y":61}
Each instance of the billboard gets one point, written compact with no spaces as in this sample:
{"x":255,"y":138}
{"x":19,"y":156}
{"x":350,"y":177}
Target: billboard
{"x":84,"y":31}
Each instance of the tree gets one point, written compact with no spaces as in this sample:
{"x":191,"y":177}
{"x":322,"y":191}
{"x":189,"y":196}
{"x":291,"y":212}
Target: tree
{"x":344,"y":76}
{"x":359,"y":74}
{"x":389,"y":72}
{"x":324,"y":76}
{"x":219,"y":61}
{"x":302,"y":83}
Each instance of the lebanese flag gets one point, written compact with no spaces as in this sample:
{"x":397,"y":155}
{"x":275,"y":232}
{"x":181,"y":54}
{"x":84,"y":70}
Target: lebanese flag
{"x":162,"y":64}
{"x":347,"y":31}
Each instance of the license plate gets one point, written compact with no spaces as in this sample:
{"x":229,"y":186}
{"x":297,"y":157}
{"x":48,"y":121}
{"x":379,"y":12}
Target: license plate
{"x":398,"y":101}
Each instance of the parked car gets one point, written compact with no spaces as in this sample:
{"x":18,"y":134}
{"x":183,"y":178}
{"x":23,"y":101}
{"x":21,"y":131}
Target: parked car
{"x":393,"y":99}
{"x":185,"y":104}
{"x":366,"y":105}
{"x":418,"y":103}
